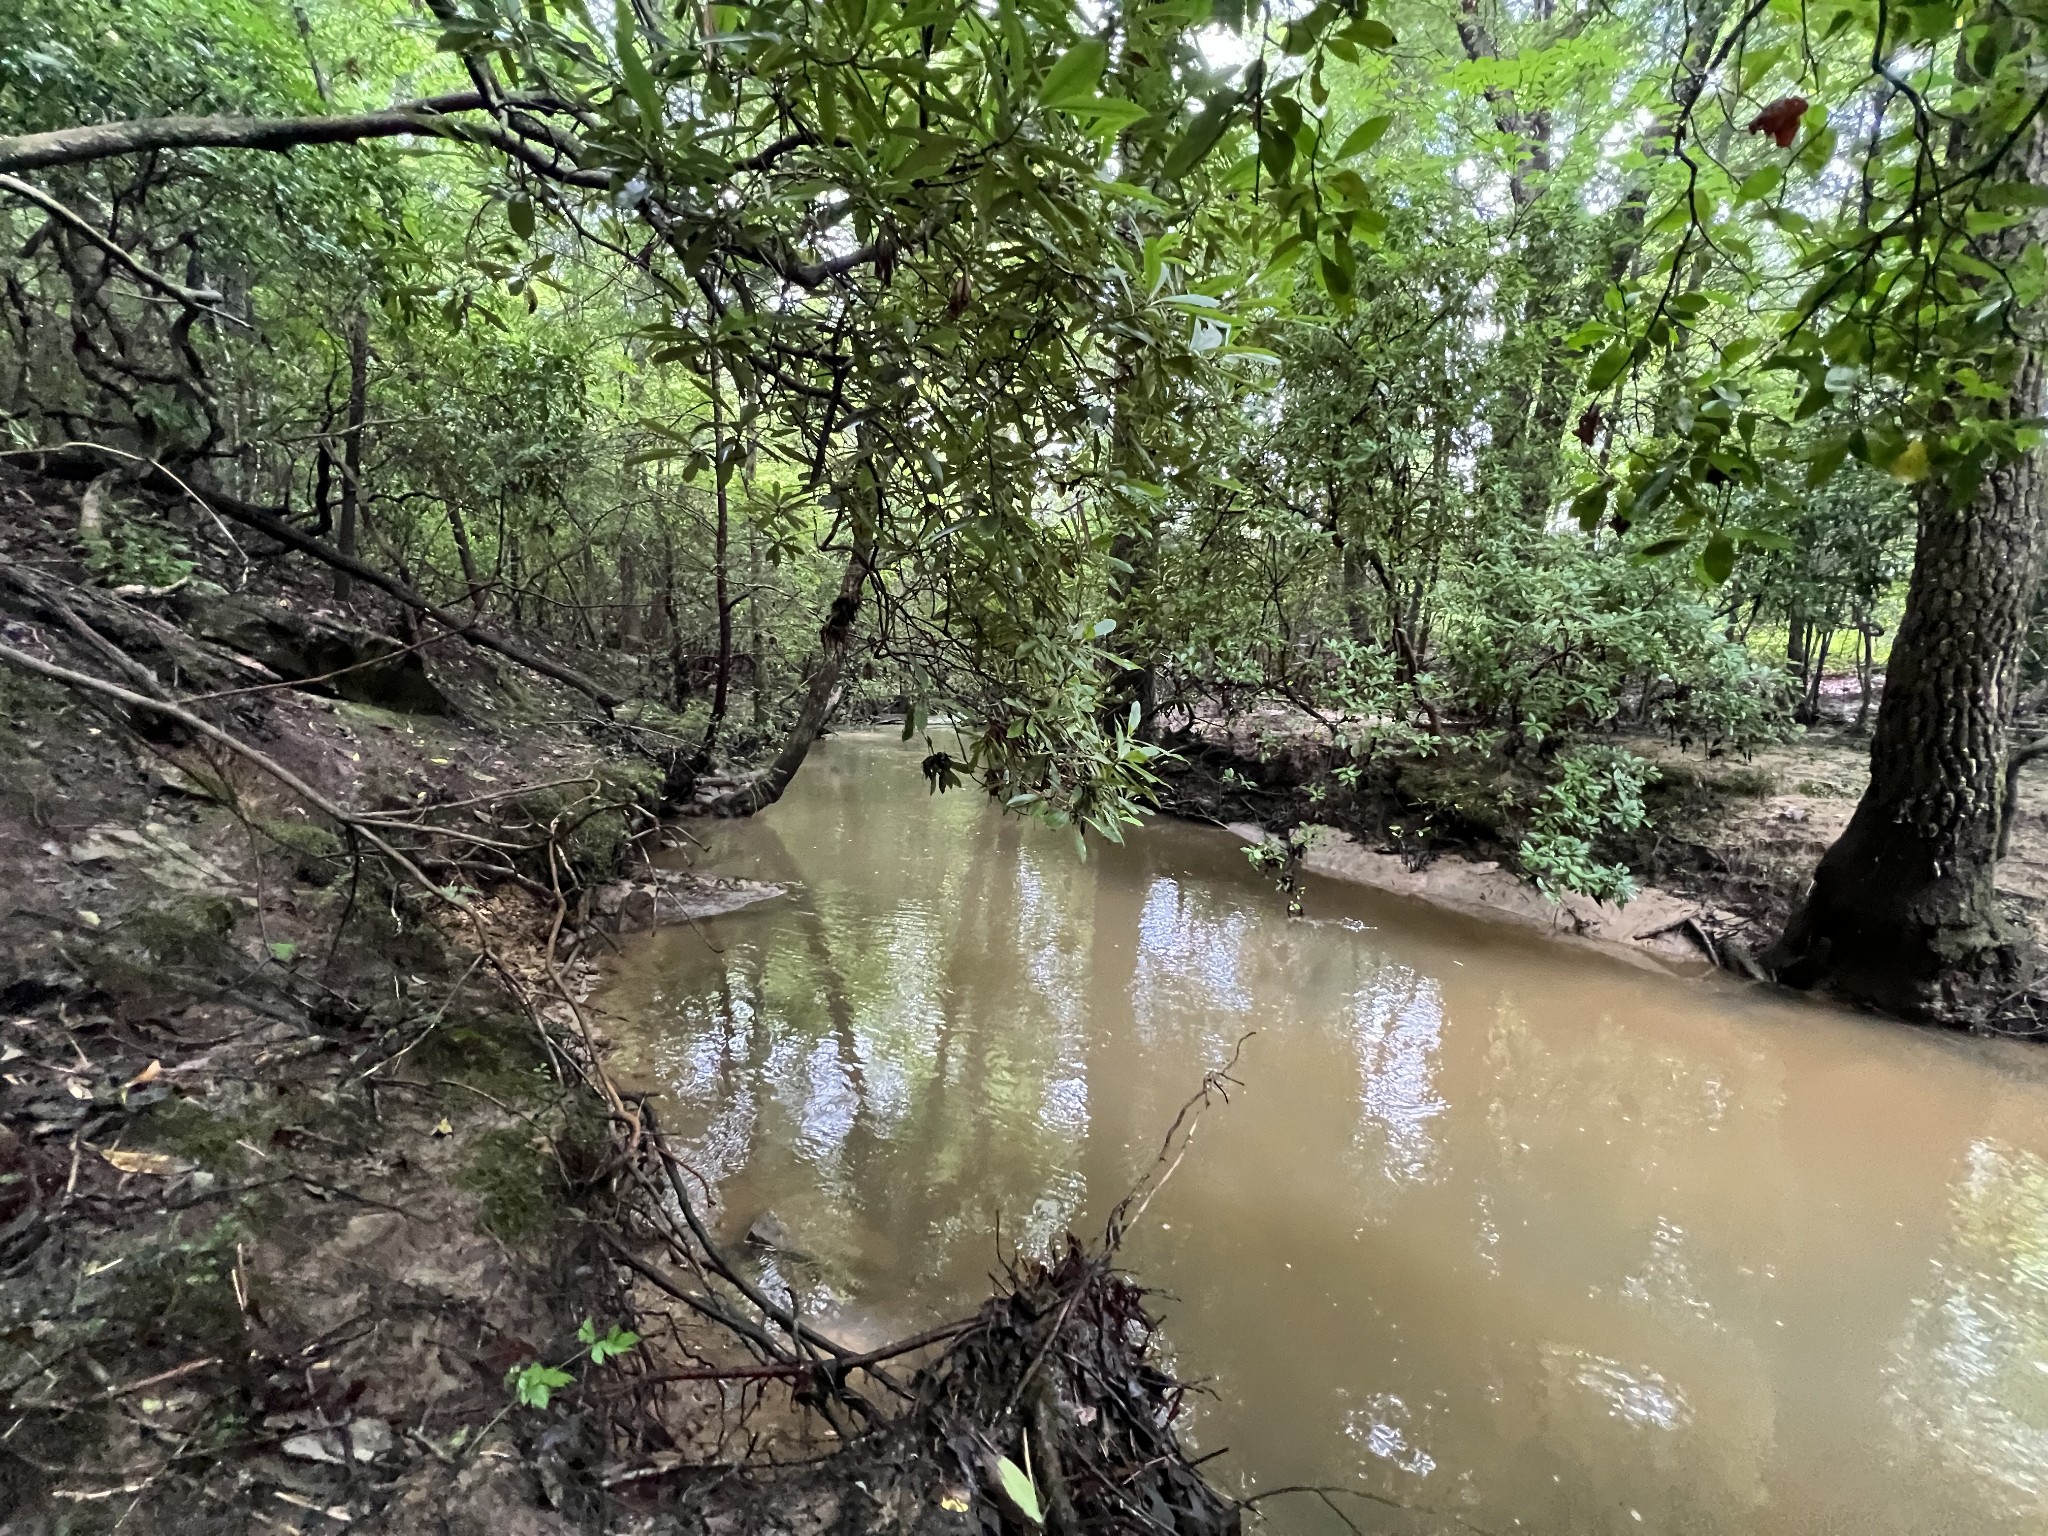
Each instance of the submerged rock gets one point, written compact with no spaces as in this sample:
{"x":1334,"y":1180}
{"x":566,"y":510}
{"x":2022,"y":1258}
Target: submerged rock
{"x":673,"y":897}
{"x":769,"y":1231}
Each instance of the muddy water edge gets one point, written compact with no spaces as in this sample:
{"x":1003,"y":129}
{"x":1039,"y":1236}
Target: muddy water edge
{"x":1506,"y":1231}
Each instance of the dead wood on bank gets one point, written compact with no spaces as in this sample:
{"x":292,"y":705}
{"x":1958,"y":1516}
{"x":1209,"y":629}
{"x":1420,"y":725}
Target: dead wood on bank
{"x":92,"y":457}
{"x":1053,"y":1374}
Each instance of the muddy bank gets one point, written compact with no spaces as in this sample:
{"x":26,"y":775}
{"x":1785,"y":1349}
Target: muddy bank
{"x":1651,"y":930}
{"x":1727,"y":854}
{"x":319,"y":1209}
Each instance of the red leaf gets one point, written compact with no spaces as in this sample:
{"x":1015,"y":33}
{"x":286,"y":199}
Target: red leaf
{"x":1589,"y":425}
{"x":1780,"y":119}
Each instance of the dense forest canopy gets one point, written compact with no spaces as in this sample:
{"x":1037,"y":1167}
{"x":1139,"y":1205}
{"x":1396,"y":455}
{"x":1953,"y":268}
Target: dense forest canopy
{"x":1481,"y":382}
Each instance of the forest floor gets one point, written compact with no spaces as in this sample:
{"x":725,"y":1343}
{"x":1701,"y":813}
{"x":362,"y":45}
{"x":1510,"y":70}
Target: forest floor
{"x":318,"y":1211}
{"x":1732,"y":841}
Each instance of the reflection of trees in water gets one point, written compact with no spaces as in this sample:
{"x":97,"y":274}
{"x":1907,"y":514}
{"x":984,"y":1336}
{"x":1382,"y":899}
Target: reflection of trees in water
{"x":914,"y":1045}
{"x":1970,"y":1379}
{"x":1190,"y":959}
{"x":1396,"y":1021}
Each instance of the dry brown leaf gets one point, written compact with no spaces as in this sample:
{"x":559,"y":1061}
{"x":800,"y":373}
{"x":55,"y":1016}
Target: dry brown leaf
{"x":1781,"y":120}
{"x":156,"y":1164}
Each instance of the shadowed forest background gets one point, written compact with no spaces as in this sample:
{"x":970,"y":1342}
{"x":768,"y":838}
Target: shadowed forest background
{"x":1480,"y":387}
{"x":1600,"y":442}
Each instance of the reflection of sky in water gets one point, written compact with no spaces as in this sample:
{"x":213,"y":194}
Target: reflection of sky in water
{"x":1187,"y":955}
{"x":1383,"y":1428}
{"x":829,"y":1108}
{"x":1054,"y":956}
{"x":1066,"y":1106}
{"x":1635,"y":1396}
{"x":721,"y":1150}
{"x":1396,"y":1026}
{"x":889,"y":1094}
{"x":1971,"y":1371}
{"x":1666,"y":1282}
{"x":1052,"y":1215}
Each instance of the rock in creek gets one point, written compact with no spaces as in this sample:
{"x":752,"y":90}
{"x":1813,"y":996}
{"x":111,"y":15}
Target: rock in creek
{"x":770,"y":1232}
{"x":671,"y":897}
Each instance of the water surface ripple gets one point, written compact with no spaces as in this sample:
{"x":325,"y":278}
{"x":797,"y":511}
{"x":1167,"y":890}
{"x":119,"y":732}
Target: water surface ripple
{"x":1496,"y":1227}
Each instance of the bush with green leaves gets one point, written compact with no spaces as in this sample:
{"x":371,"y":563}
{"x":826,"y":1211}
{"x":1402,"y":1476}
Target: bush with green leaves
{"x":535,"y":1382}
{"x":1597,"y":795}
{"x":1549,"y":637}
{"x":123,"y":550}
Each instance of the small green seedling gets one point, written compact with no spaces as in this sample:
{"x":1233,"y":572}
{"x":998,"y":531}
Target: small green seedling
{"x":535,"y":1382}
{"x":612,"y":1345}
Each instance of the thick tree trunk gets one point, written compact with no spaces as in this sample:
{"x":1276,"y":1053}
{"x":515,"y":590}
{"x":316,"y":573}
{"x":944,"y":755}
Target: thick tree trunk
{"x":835,"y":640}
{"x":1902,"y":914}
{"x":352,"y":447}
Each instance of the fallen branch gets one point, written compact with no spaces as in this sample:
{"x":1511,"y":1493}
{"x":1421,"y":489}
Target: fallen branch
{"x":105,"y":141}
{"x":218,"y":503}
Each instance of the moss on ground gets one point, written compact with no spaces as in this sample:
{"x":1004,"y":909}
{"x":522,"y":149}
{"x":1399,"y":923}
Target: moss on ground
{"x":185,"y":1129}
{"x":315,"y":852}
{"x":521,"y":1190}
{"x":184,"y":930}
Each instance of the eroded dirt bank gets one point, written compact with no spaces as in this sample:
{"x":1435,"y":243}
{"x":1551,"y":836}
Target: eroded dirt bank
{"x":1731,"y":843}
{"x":318,"y":1210}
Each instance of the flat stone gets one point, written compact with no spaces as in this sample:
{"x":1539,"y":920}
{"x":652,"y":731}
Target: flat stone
{"x":768,"y":1231}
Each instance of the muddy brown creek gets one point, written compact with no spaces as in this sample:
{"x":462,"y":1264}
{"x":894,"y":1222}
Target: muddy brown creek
{"x":1502,"y":1228}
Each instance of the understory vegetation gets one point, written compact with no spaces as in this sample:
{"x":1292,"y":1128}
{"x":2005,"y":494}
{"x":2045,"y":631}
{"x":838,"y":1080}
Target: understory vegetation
{"x":1493,"y":389}
{"x":450,"y":444}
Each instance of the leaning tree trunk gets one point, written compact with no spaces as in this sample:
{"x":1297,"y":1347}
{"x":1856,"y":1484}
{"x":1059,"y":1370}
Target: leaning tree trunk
{"x":1902,"y":914}
{"x":834,"y":641}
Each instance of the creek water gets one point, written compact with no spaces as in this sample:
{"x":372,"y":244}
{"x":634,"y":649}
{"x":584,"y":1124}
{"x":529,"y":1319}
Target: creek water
{"x":1505,"y":1229}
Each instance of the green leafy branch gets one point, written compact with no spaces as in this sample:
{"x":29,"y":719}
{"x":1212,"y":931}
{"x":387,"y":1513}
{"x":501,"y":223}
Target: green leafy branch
{"x":534,"y":1383}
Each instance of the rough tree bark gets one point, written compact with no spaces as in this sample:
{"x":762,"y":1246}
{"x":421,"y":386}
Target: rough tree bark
{"x":1902,"y":914}
{"x":835,"y":640}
